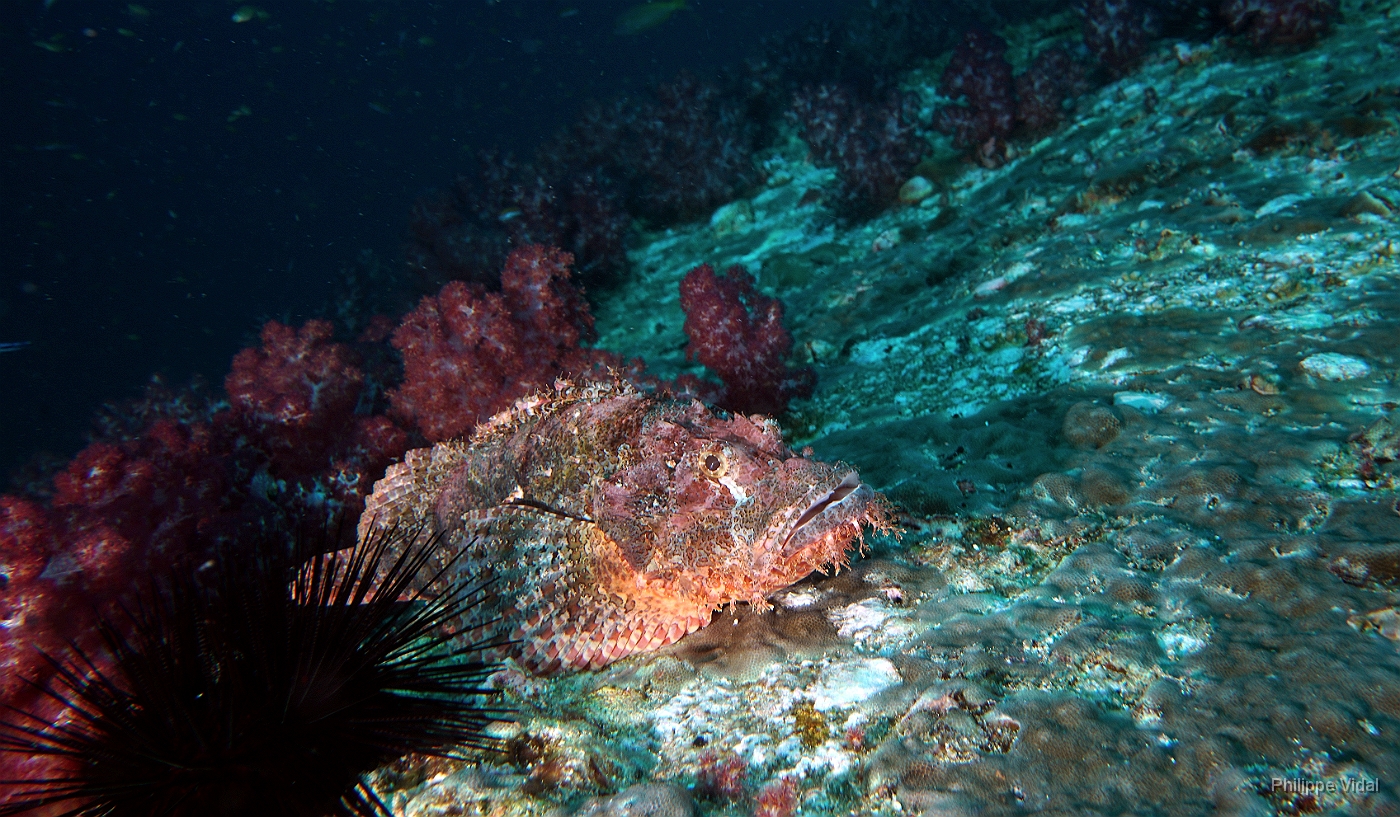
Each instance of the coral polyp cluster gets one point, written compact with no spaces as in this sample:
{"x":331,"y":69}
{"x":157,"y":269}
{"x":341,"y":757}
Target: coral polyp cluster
{"x":738,"y":333}
{"x":469,"y":352}
{"x":872,"y":144}
{"x":1280,"y":22}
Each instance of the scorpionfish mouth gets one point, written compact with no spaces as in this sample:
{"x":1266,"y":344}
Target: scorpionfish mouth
{"x":848,"y":501}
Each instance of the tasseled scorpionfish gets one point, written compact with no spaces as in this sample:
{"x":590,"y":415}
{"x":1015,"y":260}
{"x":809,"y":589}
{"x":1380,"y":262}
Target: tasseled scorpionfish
{"x":610,"y":521}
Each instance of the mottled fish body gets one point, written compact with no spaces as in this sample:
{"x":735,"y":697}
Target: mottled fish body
{"x":612,"y":521}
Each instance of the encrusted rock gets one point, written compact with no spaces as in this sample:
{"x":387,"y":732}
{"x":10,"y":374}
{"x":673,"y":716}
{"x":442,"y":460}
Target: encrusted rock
{"x":641,"y":800}
{"x":734,"y":217}
{"x":915,"y":190}
{"x":1332,"y":366}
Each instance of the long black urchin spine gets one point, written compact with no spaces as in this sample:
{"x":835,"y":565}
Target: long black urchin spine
{"x":270,"y":683}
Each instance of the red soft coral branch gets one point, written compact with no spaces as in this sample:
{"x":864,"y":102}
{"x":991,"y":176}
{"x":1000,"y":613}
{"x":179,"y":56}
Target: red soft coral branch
{"x":551,"y":312}
{"x":738,"y":334}
{"x":1280,"y":22}
{"x":292,"y":441}
{"x":872,"y":144}
{"x":27,"y":541}
{"x":124,"y":506}
{"x":131,"y":503}
{"x":297,"y":390}
{"x":469,"y":353}
{"x":118,"y":510}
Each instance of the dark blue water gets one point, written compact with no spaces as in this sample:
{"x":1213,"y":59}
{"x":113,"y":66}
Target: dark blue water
{"x":172,"y":178}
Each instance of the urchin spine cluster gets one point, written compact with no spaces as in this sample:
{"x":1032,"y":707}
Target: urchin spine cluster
{"x":268,"y":682}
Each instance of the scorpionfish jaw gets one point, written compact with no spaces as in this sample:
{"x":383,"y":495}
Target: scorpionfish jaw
{"x":821,"y":510}
{"x":831,"y":516}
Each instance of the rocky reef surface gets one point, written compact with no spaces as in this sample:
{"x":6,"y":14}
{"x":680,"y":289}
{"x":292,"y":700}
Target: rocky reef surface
{"x":1134,"y":391}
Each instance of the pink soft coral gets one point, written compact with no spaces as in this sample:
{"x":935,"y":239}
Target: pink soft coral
{"x":126,"y":506}
{"x":1279,"y":22}
{"x":27,"y":541}
{"x":118,"y":510}
{"x":872,"y":145}
{"x":293,"y":416}
{"x":777,"y":799}
{"x":290,"y":443}
{"x":1052,"y":78}
{"x":738,"y":334}
{"x":468,"y":353}
{"x":721,"y":780}
{"x":298,"y":390}
{"x":989,"y":105}
{"x":980,"y":76}
{"x":1117,"y":31}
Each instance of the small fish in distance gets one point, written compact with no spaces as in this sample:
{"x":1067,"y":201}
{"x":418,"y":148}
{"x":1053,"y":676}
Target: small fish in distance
{"x":646,"y":16}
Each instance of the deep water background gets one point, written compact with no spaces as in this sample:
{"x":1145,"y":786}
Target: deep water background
{"x":169,"y":179}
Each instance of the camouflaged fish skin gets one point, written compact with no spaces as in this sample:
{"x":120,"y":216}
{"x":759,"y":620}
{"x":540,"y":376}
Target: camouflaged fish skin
{"x":611,"y":522}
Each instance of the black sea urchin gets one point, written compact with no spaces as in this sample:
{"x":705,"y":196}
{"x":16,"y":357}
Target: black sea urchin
{"x":266,"y":683}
